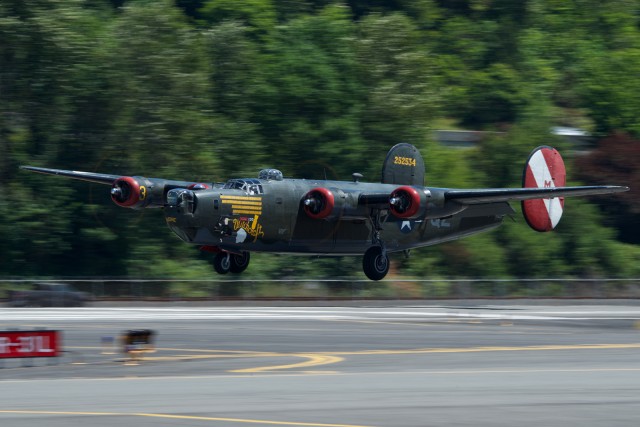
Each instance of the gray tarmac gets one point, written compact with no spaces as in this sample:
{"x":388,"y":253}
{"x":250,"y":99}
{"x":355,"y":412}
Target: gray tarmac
{"x":466,"y":363}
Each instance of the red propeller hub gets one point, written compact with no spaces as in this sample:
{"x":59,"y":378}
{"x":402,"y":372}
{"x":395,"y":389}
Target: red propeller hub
{"x":404,"y":202}
{"x":126,"y":192}
{"x":318,"y":203}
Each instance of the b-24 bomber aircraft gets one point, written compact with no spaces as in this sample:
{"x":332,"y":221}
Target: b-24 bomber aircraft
{"x":271,"y":213}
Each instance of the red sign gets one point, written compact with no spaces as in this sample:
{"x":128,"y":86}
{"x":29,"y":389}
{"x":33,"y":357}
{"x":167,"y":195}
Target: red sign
{"x":19,"y":344}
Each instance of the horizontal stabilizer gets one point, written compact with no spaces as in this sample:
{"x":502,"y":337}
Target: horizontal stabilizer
{"x":493,"y":195}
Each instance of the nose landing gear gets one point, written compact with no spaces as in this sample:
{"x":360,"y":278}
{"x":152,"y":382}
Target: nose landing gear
{"x":225,"y":262}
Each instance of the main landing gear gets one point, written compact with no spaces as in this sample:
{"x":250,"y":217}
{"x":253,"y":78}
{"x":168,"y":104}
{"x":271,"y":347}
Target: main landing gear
{"x":224,"y":262}
{"x":375,"y":261}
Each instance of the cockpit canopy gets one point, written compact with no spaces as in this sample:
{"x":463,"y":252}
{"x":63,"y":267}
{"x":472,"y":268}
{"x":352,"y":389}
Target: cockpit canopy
{"x":250,"y":186}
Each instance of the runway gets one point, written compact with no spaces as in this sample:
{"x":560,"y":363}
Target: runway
{"x":454,"y":364}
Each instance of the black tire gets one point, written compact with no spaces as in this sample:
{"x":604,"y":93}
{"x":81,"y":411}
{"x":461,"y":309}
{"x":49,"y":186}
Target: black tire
{"x":239,"y":263}
{"x":375,"y":264}
{"x":222,"y":262}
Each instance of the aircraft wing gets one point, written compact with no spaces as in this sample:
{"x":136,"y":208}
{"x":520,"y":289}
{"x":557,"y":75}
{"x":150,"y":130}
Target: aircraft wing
{"x":494,"y":195}
{"x":126,"y":191}
{"x":99,"y":178}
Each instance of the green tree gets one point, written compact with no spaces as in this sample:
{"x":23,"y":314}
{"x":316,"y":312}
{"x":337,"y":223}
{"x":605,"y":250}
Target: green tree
{"x":259,"y":16}
{"x":591,"y":46}
{"x":235,"y":83}
{"x":309,"y":99}
{"x":401,"y":97}
{"x":44,"y":61}
{"x":616,"y":160}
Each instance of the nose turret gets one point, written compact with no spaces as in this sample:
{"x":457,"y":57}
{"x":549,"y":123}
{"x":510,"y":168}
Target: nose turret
{"x":182,"y":200}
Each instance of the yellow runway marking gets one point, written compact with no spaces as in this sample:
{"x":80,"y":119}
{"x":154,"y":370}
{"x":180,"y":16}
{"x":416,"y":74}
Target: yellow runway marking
{"x":180,"y":417}
{"x":239,"y":420}
{"x":328,"y":358}
{"x":314,"y":360}
{"x":487,"y":349}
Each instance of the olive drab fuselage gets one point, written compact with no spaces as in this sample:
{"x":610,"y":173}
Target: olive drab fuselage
{"x":271,"y":218}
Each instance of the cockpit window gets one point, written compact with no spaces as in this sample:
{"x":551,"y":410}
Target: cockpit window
{"x":234,"y":184}
{"x":250,"y":186}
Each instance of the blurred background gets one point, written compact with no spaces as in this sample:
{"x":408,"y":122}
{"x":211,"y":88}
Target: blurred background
{"x":208,"y":90}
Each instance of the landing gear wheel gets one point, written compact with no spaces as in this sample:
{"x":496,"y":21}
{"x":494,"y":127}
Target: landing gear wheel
{"x":239,"y":263}
{"x":375,"y":263}
{"x":222,"y":262}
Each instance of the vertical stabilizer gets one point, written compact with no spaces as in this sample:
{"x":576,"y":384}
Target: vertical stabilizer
{"x":404,"y":166}
{"x":544,"y":169}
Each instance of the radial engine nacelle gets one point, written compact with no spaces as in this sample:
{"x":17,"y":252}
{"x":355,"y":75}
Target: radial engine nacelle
{"x":320,"y":203}
{"x":407,"y":202}
{"x":137,"y":192}
{"x":403,"y":202}
{"x":127,"y":192}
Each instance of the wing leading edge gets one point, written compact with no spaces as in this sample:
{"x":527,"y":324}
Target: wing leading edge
{"x":494,"y":195}
{"x":99,"y":178}
{"x":102,"y":178}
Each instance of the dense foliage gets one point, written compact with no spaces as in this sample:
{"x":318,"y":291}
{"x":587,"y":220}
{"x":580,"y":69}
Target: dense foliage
{"x":211,"y":89}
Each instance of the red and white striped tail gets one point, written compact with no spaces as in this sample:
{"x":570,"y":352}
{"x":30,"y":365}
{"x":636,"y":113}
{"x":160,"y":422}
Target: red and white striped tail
{"x":544,"y":168}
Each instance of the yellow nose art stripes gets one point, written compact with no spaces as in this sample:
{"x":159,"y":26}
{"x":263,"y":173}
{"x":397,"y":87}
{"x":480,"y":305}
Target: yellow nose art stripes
{"x":244,"y":205}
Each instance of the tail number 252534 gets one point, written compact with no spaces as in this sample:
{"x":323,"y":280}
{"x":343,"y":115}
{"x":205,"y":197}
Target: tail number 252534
{"x":404,"y":161}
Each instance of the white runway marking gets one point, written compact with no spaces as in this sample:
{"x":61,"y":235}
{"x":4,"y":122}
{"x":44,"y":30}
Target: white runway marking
{"x":323,"y":313}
